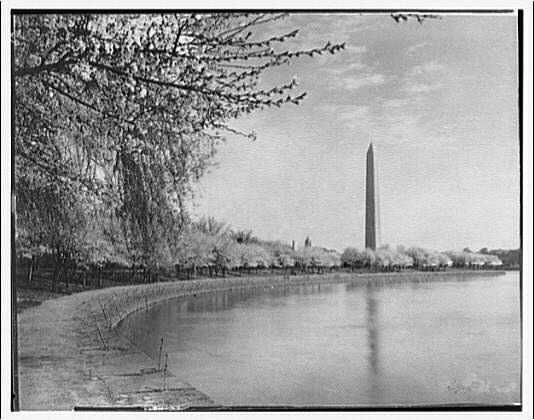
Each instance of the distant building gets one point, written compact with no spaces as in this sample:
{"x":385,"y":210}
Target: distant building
{"x":293,"y":245}
{"x":307,"y":242}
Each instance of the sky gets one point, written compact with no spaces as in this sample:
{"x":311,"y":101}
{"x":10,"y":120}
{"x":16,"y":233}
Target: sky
{"x":439,"y":103}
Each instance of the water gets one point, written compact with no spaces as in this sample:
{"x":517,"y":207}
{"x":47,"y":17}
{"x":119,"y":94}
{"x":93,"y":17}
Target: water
{"x":414,"y":343}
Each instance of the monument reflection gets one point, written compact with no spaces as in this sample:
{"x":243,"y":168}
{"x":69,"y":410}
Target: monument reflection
{"x":373,"y":341}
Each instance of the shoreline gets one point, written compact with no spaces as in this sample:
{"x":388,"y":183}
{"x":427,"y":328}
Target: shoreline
{"x":71,"y":353}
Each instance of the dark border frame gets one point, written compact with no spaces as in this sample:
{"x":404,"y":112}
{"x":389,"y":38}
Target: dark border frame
{"x":403,"y":408}
{"x":258,"y":10}
{"x":14,"y":320}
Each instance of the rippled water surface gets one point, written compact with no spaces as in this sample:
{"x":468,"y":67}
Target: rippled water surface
{"x":341,"y":344}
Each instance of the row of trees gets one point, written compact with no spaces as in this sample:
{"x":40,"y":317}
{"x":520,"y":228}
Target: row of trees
{"x":468,"y":258}
{"x":387,"y":259}
{"x":237,"y":251}
{"x":383,"y":258}
{"x":88,"y":243}
{"x":511,"y":258}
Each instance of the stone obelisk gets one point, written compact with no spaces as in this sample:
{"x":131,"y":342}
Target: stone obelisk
{"x":370,"y":202}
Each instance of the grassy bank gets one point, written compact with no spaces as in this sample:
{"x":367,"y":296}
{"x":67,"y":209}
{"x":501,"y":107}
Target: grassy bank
{"x":70,"y":353}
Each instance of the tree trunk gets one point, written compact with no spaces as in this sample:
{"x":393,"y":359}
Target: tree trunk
{"x":79,"y":279}
{"x":72,"y":273}
{"x":30,"y":270}
{"x":36,"y":265}
{"x":55,"y":276}
{"x":64,"y":272}
{"x":67,"y":275}
{"x":99,"y":277}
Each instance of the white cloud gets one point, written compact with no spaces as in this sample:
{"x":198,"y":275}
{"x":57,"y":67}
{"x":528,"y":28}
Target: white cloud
{"x":396,"y":103}
{"x":396,"y":122}
{"x":356,"y":49}
{"x":338,"y":71}
{"x":316,"y":29}
{"x":415,"y":87}
{"x":423,"y":78}
{"x":413,"y":48}
{"x":348,"y":113}
{"x":354,"y":112}
{"x":426,"y":68}
{"x":357,"y":82}
{"x":350,"y":53}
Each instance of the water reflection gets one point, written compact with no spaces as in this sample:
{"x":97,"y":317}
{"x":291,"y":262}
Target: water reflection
{"x":219,"y":301}
{"x":372,"y":324}
{"x":140,"y":326}
{"x":342,"y":344}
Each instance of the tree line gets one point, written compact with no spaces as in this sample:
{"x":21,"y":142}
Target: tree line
{"x":387,"y":259}
{"x":91,"y":248}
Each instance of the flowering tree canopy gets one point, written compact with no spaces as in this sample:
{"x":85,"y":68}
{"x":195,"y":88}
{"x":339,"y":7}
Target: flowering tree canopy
{"x":130,"y":108}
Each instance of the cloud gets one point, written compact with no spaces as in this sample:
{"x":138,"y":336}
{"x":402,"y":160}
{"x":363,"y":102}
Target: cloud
{"x":355,"y":83}
{"x":349,"y":113}
{"x":415,"y":87}
{"x":316,"y":29}
{"x":423,"y":78}
{"x":340,"y":70}
{"x":413,"y":49}
{"x":426,"y":68}
{"x":395,"y":122}
{"x":350,"y":53}
{"x":356,"y":49}
{"x":343,"y":80}
{"x":396,"y":103}
{"x":352,"y":74}
{"x":397,"y":126}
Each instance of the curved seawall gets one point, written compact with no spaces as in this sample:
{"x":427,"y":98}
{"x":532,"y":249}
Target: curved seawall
{"x":70,"y":354}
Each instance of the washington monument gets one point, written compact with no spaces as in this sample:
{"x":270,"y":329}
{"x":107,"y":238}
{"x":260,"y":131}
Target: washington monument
{"x":371,"y":207}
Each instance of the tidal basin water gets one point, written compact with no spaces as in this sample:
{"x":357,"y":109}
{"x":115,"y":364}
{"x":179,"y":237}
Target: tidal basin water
{"x":444,"y":342}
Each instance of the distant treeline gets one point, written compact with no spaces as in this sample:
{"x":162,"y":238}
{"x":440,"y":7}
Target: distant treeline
{"x":511,"y":258}
{"x":211,"y":248}
{"x":387,"y":259}
{"x":203,"y":248}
